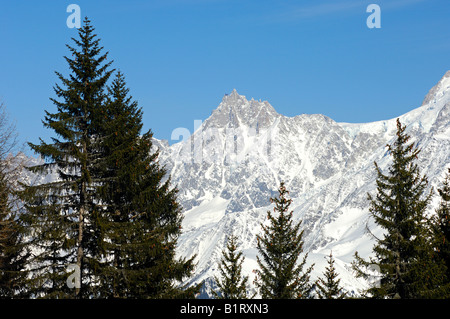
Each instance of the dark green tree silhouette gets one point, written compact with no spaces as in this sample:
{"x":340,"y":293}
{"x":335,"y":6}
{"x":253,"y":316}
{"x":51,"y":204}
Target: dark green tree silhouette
{"x":406,"y":262}
{"x":329,"y":286}
{"x":232,"y":285}
{"x":440,"y":225}
{"x":281,"y":275}
{"x":140,"y":219}
{"x":60,"y":213}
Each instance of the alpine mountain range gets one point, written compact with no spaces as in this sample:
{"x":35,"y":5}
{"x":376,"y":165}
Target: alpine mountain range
{"x":233,"y":163}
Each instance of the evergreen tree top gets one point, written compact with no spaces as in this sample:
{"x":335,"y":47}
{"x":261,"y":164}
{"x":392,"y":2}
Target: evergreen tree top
{"x":281,"y":274}
{"x":232,"y":285}
{"x":329,"y":286}
{"x":403,"y":255}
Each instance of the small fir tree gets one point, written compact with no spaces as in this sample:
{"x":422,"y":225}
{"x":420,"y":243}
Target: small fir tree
{"x":281,"y":276}
{"x":232,"y":284}
{"x":329,"y":286}
{"x":403,"y":256}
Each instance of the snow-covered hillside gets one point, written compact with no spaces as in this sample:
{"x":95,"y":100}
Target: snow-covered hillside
{"x":228,"y":169}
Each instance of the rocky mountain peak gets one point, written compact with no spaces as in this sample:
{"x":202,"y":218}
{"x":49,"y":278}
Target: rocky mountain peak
{"x":235,"y":111}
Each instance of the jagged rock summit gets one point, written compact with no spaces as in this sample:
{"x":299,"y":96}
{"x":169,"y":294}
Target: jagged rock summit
{"x":235,"y":110}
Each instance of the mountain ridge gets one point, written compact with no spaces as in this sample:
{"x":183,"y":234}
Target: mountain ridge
{"x":247,"y":148}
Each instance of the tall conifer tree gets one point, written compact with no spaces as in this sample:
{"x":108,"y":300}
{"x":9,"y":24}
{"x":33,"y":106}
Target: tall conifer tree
{"x":140,"y":219}
{"x":281,"y":275}
{"x":403,"y":255}
{"x":60,"y":213}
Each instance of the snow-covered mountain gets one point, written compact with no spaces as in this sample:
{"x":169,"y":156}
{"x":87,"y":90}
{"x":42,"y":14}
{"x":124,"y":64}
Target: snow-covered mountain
{"x":228,"y":169}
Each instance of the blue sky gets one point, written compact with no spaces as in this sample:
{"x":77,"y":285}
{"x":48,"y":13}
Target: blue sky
{"x":181,"y":56}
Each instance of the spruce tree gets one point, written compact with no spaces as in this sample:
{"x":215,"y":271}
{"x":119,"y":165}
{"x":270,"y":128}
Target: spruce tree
{"x":59,"y":214}
{"x":232,"y":284}
{"x":440,"y":225}
{"x":281,"y":275}
{"x":140,"y":219}
{"x":329,"y":287}
{"x":403,"y":256}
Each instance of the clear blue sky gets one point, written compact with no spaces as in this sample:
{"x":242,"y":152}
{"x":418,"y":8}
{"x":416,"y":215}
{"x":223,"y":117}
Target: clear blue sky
{"x":181,"y":56}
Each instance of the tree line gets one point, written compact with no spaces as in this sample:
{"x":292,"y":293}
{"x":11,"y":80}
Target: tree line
{"x":108,"y":226}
